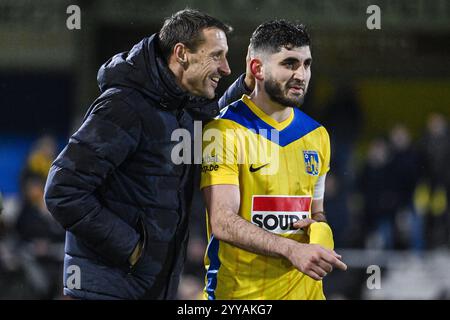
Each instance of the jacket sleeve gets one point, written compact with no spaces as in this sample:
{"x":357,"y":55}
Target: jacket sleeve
{"x":108,"y":135}
{"x":234,"y":92}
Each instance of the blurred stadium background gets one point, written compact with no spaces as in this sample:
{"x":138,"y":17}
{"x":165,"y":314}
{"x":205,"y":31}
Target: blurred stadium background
{"x":384,"y":96}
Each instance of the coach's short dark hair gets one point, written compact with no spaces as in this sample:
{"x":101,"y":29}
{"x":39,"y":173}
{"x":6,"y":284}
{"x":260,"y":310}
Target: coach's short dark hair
{"x":274,"y":35}
{"x":186,"y":27}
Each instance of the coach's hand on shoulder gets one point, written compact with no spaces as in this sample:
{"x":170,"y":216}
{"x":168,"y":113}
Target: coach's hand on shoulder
{"x":313,"y":259}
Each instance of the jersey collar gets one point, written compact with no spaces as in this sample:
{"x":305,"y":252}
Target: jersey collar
{"x":266,"y":118}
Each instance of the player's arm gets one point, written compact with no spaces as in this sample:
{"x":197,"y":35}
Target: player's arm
{"x":317,"y":211}
{"x":223,"y":203}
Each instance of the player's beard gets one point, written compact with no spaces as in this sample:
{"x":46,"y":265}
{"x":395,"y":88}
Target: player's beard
{"x":279,"y":94}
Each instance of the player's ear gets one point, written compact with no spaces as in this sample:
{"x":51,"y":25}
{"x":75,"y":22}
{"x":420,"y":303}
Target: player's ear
{"x":256,"y":67}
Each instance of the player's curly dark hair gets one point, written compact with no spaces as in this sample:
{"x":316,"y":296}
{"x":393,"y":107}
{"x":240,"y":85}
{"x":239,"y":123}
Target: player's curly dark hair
{"x":276,"y":34}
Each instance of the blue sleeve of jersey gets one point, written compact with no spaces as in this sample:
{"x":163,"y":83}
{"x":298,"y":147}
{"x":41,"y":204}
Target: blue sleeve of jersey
{"x":234,"y":92}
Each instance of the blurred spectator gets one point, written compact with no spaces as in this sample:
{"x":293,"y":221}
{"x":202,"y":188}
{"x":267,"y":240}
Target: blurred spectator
{"x":336,"y":211}
{"x":435,"y":148}
{"x":12,"y":275}
{"x":379,"y":196}
{"x":34,"y":243}
{"x":432,"y":193}
{"x":34,"y":220}
{"x":343,"y":119}
{"x":404,"y":168}
{"x":41,"y":156}
{"x":41,"y":240}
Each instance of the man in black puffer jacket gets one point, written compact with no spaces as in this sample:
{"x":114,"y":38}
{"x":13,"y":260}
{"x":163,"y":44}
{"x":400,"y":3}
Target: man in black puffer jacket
{"x":115,"y":189}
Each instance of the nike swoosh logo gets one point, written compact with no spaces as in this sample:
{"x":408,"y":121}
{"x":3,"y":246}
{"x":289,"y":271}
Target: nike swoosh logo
{"x":253,"y":169}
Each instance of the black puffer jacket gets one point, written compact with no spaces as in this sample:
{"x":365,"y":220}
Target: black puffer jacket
{"x":115,"y":183}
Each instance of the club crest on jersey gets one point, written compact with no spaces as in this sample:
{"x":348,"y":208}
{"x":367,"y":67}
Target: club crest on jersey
{"x":311,"y":162}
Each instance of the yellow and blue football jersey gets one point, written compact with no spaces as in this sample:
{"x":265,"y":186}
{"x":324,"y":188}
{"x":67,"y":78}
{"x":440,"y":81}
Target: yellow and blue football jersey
{"x":276,"y":166}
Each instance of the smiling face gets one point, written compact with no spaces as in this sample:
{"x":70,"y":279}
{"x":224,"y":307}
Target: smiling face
{"x":287,"y":74}
{"x":206,"y":64}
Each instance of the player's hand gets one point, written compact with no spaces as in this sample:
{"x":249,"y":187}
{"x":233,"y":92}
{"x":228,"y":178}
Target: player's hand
{"x":249,"y":78}
{"x":314,"y":260}
{"x":303,"y":224}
